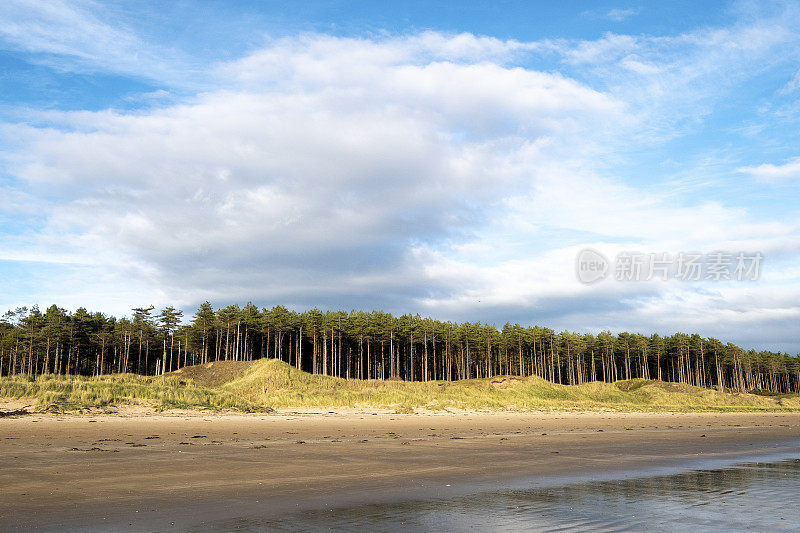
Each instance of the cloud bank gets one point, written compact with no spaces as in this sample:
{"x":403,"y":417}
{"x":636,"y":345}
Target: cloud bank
{"x":445,"y":174}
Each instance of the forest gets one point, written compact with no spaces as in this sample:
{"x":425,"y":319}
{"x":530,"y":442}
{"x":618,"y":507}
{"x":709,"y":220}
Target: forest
{"x":372,"y":345}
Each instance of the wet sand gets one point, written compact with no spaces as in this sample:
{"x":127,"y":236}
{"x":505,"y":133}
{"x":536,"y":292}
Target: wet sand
{"x":143,"y":471}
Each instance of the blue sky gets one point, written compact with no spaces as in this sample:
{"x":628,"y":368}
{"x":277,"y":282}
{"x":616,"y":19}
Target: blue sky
{"x":432,"y":157}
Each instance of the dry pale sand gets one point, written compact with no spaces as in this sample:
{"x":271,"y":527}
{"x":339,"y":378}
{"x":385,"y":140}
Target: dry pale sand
{"x":144,"y":471}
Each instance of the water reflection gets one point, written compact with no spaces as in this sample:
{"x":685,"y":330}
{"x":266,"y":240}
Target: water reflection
{"x":755,"y":496}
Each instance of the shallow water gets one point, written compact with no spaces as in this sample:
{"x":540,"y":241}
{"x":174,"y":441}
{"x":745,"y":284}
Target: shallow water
{"x":758,"y":496}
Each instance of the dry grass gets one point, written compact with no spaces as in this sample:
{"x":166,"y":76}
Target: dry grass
{"x":62,"y":393}
{"x":277,"y":384}
{"x":266,"y":384}
{"x":214,"y":374}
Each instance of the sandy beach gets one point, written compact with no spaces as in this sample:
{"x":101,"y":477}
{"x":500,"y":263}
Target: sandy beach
{"x":134,"y":470}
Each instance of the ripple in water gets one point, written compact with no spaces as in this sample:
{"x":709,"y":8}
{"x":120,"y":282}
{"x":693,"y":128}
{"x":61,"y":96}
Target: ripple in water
{"x":752,"y":496}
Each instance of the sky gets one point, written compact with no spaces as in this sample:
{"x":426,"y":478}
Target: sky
{"x":441,"y":158}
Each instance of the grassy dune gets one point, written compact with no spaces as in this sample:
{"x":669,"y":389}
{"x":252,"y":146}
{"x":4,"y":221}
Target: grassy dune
{"x":268,"y":384}
{"x":278,"y":385}
{"x":61,"y":393}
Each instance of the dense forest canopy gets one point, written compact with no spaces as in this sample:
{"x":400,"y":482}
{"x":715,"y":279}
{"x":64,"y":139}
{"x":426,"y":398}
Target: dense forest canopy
{"x":372,"y":345}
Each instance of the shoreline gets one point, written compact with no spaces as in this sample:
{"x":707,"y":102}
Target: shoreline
{"x":163,"y":470}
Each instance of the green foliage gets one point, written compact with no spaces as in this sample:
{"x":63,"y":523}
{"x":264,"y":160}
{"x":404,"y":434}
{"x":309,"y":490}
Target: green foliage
{"x":367,"y":345}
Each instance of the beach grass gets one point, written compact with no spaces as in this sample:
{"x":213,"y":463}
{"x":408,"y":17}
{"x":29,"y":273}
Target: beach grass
{"x":75,"y":393}
{"x":272,"y":384}
{"x":279,"y":385}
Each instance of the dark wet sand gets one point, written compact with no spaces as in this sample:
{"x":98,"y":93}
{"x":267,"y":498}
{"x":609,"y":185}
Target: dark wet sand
{"x":150,"y":472}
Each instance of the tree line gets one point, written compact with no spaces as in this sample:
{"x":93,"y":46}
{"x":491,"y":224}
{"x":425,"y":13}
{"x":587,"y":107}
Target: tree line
{"x":372,"y":345}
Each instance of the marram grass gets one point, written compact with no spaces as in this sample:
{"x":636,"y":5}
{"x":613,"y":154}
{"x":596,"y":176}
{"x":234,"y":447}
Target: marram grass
{"x":62,"y":393}
{"x":271,"y":384}
{"x":274,"y":383}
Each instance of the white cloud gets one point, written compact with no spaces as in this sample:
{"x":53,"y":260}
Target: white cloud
{"x":84,"y":35}
{"x":674,"y":82}
{"x":334,"y":154}
{"x":792,"y":85}
{"x":64,"y":28}
{"x":619,"y":15}
{"x":769,"y":173}
{"x":607,"y":49}
{"x":430,"y":171}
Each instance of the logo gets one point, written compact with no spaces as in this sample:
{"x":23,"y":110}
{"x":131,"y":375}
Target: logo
{"x":591,"y":266}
